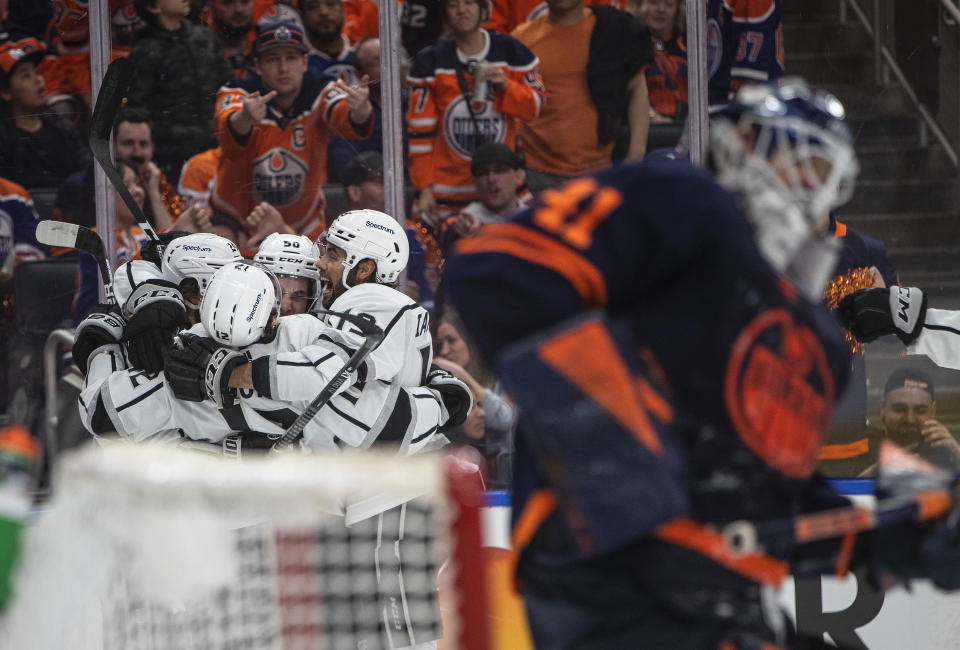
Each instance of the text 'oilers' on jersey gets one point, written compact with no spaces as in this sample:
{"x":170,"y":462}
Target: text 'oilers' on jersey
{"x":446,"y":126}
{"x":283,"y":160}
{"x":752,"y":368}
{"x":744,"y":44}
{"x":18,"y":227}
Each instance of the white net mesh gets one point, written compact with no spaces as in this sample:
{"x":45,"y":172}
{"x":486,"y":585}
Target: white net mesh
{"x":149,"y":549}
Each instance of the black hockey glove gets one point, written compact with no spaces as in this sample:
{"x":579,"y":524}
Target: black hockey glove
{"x":198,"y":368}
{"x":872,"y":313}
{"x":456,"y":396}
{"x":155,"y":313}
{"x":104,"y":326}
{"x":152,"y":251}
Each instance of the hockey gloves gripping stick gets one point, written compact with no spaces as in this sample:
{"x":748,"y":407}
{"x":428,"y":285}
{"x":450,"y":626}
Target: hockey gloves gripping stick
{"x":872,"y":313}
{"x":104,"y":326}
{"x":113,"y":89}
{"x":372,"y":336}
{"x":155,"y":312}
{"x":456,"y":396}
{"x":199,"y":368}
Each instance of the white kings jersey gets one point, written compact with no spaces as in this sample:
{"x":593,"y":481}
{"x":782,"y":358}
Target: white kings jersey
{"x":940,"y":338}
{"x":141,"y":406}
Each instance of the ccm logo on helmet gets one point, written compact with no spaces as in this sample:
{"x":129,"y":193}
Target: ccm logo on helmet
{"x":380,"y":227}
{"x":253,"y":310}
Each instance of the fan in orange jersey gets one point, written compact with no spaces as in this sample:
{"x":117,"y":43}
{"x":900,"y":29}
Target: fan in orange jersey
{"x":449,"y":118}
{"x":70,"y":33}
{"x":273,"y":130}
{"x":507,"y":14}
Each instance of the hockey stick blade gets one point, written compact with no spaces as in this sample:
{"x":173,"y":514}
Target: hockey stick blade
{"x":116,"y":83}
{"x":71,"y":235}
{"x":373,"y":335}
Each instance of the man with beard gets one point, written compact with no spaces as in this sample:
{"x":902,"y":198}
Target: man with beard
{"x":133,"y":143}
{"x":232,"y":22}
{"x":329,"y":47}
{"x":907,"y":418}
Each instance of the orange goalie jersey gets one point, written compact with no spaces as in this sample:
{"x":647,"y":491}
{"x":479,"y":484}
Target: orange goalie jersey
{"x":283,"y":160}
{"x":445,"y":126}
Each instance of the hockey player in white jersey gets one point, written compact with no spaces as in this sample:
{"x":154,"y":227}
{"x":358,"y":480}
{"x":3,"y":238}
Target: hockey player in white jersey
{"x":872,"y":313}
{"x":293,"y":259}
{"x":364,"y":253}
{"x":157,"y":302}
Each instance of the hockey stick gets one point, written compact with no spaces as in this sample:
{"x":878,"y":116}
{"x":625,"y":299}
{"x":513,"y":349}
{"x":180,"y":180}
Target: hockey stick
{"x":71,"y":235}
{"x":372,"y":336}
{"x":921,"y":492}
{"x":113,"y":89}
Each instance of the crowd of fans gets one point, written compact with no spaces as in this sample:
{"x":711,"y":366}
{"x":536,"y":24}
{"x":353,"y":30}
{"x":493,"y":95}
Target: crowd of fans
{"x":253,"y":117}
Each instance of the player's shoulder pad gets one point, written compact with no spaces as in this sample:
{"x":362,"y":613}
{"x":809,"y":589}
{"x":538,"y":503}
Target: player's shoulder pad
{"x":371,"y":298}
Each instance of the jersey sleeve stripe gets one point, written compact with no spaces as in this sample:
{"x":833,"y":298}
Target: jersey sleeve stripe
{"x":710,"y":543}
{"x":140,"y":398}
{"x":538,"y":507}
{"x":541,"y":250}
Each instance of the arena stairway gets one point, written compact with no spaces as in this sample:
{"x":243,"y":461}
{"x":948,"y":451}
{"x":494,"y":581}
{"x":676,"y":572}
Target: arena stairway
{"x":907,"y":192}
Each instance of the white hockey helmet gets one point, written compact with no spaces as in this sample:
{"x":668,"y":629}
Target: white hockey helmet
{"x":371,"y":234}
{"x":240,"y":304}
{"x":197,"y":256}
{"x":129,"y":276}
{"x":292,"y":255}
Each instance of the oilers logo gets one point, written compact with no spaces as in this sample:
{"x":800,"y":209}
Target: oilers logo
{"x":460,"y":131}
{"x":278,"y":177}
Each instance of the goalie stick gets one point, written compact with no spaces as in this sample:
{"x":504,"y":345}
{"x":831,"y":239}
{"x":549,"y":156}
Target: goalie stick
{"x":113,"y":90}
{"x":71,"y":235}
{"x":372,"y":336}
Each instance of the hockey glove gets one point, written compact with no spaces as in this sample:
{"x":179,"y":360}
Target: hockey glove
{"x":104,"y":326}
{"x":872,"y":313}
{"x":456,"y":396}
{"x":200,"y":369}
{"x":152,"y":251}
{"x":155,"y":313}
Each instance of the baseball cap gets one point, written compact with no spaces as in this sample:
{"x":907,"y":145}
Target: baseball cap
{"x":908,"y":378}
{"x":14,"y":52}
{"x":273,"y":35}
{"x":364,"y":167}
{"x":494,"y":152}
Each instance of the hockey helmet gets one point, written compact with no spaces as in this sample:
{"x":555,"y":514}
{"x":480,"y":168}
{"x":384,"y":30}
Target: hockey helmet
{"x":240,"y":304}
{"x":292,"y":255}
{"x":197,"y":257}
{"x":129,"y":276}
{"x":370,"y":234}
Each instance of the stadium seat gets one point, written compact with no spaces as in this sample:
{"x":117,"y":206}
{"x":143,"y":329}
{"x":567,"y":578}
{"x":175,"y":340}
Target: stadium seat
{"x":44,"y":200}
{"x":43,"y":292}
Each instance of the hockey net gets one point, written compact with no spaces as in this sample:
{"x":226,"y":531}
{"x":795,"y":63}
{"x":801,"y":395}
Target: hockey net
{"x":148,"y":549}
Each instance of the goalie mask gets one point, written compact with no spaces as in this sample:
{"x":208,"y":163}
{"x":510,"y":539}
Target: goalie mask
{"x":197,"y":257}
{"x":787,"y":152}
{"x":373,"y":235}
{"x":296,"y":256}
{"x":241,"y":305}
